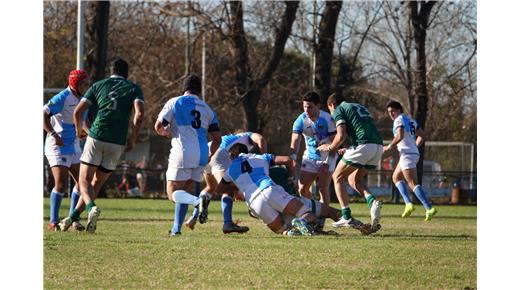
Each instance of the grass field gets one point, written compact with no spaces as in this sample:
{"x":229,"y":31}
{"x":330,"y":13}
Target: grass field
{"x":131,"y":249}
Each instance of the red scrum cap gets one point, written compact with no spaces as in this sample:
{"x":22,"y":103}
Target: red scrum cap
{"x":75,"y":77}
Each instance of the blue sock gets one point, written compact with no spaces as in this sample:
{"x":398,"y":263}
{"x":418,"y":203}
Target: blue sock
{"x":74,"y":198}
{"x":56,"y":198}
{"x":178,"y":218}
{"x":227,"y":208}
{"x":403,"y":190}
{"x":419,"y":192}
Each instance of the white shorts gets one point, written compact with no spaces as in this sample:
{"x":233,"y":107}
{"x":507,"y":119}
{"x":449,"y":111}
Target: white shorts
{"x":313,"y":166}
{"x":219,"y":162}
{"x":102,"y":154}
{"x":408,"y":161}
{"x":63,"y":160}
{"x":312,"y":205}
{"x":183,"y":174}
{"x":364,"y":155}
{"x":270,"y":203}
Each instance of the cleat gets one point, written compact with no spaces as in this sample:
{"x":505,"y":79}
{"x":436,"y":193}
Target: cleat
{"x":174,"y":234}
{"x":292,"y":232}
{"x":352,"y":223}
{"x":341,"y":223}
{"x":203,"y":209}
{"x":320,"y":224}
{"x":369,"y":230}
{"x":375,"y":214}
{"x":65,"y":224}
{"x":191,"y":222}
{"x":92,"y":219}
{"x":55,"y":227}
{"x":234,"y":228}
{"x":77,"y":226}
{"x":408,"y":209}
{"x":430,"y":213}
{"x":303,"y":226}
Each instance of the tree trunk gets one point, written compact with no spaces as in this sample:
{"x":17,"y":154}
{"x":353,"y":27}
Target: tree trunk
{"x":420,"y":15}
{"x":324,"y":51}
{"x":97,"y":58}
{"x":249,"y":90}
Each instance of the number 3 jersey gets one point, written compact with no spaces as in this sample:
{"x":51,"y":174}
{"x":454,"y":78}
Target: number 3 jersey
{"x":190,"y":119}
{"x":360,"y":125}
{"x":250,"y":173}
{"x":407,"y":144}
{"x":61,"y":109}
{"x":112,"y":101}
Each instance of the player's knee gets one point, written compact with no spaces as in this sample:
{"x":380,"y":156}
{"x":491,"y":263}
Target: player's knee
{"x":352,"y":181}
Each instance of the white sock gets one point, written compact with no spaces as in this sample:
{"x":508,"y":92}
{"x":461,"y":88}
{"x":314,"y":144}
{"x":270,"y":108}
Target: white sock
{"x":181,"y":196}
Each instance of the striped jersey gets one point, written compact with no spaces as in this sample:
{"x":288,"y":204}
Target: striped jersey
{"x":231,"y":139}
{"x":250,"y":173}
{"x":61,"y":109}
{"x":407,"y":144}
{"x":315,"y":132}
{"x":190,"y":120}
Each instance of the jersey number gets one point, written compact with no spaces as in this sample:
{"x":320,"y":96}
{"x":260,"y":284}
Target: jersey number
{"x":412,"y":128}
{"x":246,"y":167}
{"x":362,"y":111}
{"x":113,"y":101}
{"x":196,"y":122}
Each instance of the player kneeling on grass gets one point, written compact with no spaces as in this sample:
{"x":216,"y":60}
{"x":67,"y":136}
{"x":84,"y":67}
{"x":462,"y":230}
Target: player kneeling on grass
{"x":265,"y":199}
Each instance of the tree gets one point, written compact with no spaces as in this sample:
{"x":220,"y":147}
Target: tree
{"x":325,"y":48}
{"x":98,"y":31}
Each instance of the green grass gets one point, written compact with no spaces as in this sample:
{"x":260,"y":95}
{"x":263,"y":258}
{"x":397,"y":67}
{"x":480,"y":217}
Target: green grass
{"x":131,"y":249}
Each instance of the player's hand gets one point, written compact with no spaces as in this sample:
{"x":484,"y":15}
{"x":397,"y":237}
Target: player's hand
{"x":323,"y":147}
{"x":58,"y":140}
{"x":129,"y":145}
{"x":83,"y":135}
{"x":342,"y":151}
{"x":387,"y":148}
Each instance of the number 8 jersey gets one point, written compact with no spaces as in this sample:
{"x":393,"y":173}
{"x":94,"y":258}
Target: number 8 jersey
{"x":189,"y":119}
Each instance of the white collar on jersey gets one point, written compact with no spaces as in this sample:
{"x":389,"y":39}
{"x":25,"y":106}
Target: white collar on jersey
{"x":117,"y":76}
{"x":188,"y":94}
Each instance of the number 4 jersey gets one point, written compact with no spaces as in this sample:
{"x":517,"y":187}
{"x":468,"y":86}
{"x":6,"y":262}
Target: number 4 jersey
{"x":189,"y":119}
{"x":112,"y":100}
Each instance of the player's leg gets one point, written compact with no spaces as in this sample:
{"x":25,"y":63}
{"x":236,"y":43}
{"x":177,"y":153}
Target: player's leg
{"x":323,"y":182}
{"x":211,"y":184}
{"x":340,"y":176}
{"x":402,"y":187}
{"x":180,"y":209}
{"x":60,"y":174}
{"x":305,"y":181}
{"x":75,"y":197}
{"x":410,"y":176}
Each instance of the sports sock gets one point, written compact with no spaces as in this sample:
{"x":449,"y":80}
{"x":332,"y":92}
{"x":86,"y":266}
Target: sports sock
{"x":90,"y":205}
{"x":178,"y":218}
{"x":74,"y":216}
{"x":74,"y":198}
{"x":370,"y":199}
{"x":345,"y":212}
{"x":56,"y":198}
{"x":181,"y":196}
{"x":227,"y":208}
{"x":419,"y":192}
{"x":403,"y":190}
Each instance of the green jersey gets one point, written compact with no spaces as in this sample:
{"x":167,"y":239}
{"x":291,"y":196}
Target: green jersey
{"x":113,"y":100}
{"x":360,"y":125}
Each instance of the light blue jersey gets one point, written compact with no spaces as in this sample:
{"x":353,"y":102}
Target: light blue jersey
{"x":315,"y":132}
{"x":61,"y":109}
{"x":407,"y":144}
{"x":231,"y":139}
{"x":190,"y":119}
{"x":250,"y":173}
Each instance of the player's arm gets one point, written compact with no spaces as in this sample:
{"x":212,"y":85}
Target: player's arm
{"x":216,"y":137}
{"x":48,"y":128}
{"x":161,"y":128}
{"x":419,"y":137}
{"x":137,"y":122}
{"x":259,"y":140}
{"x":399,"y":135}
{"x":79,"y":112}
{"x":341,"y":135}
{"x":295,"y":145}
{"x":286,"y":161}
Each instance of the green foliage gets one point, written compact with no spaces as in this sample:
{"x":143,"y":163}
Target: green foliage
{"x":131,"y":249}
